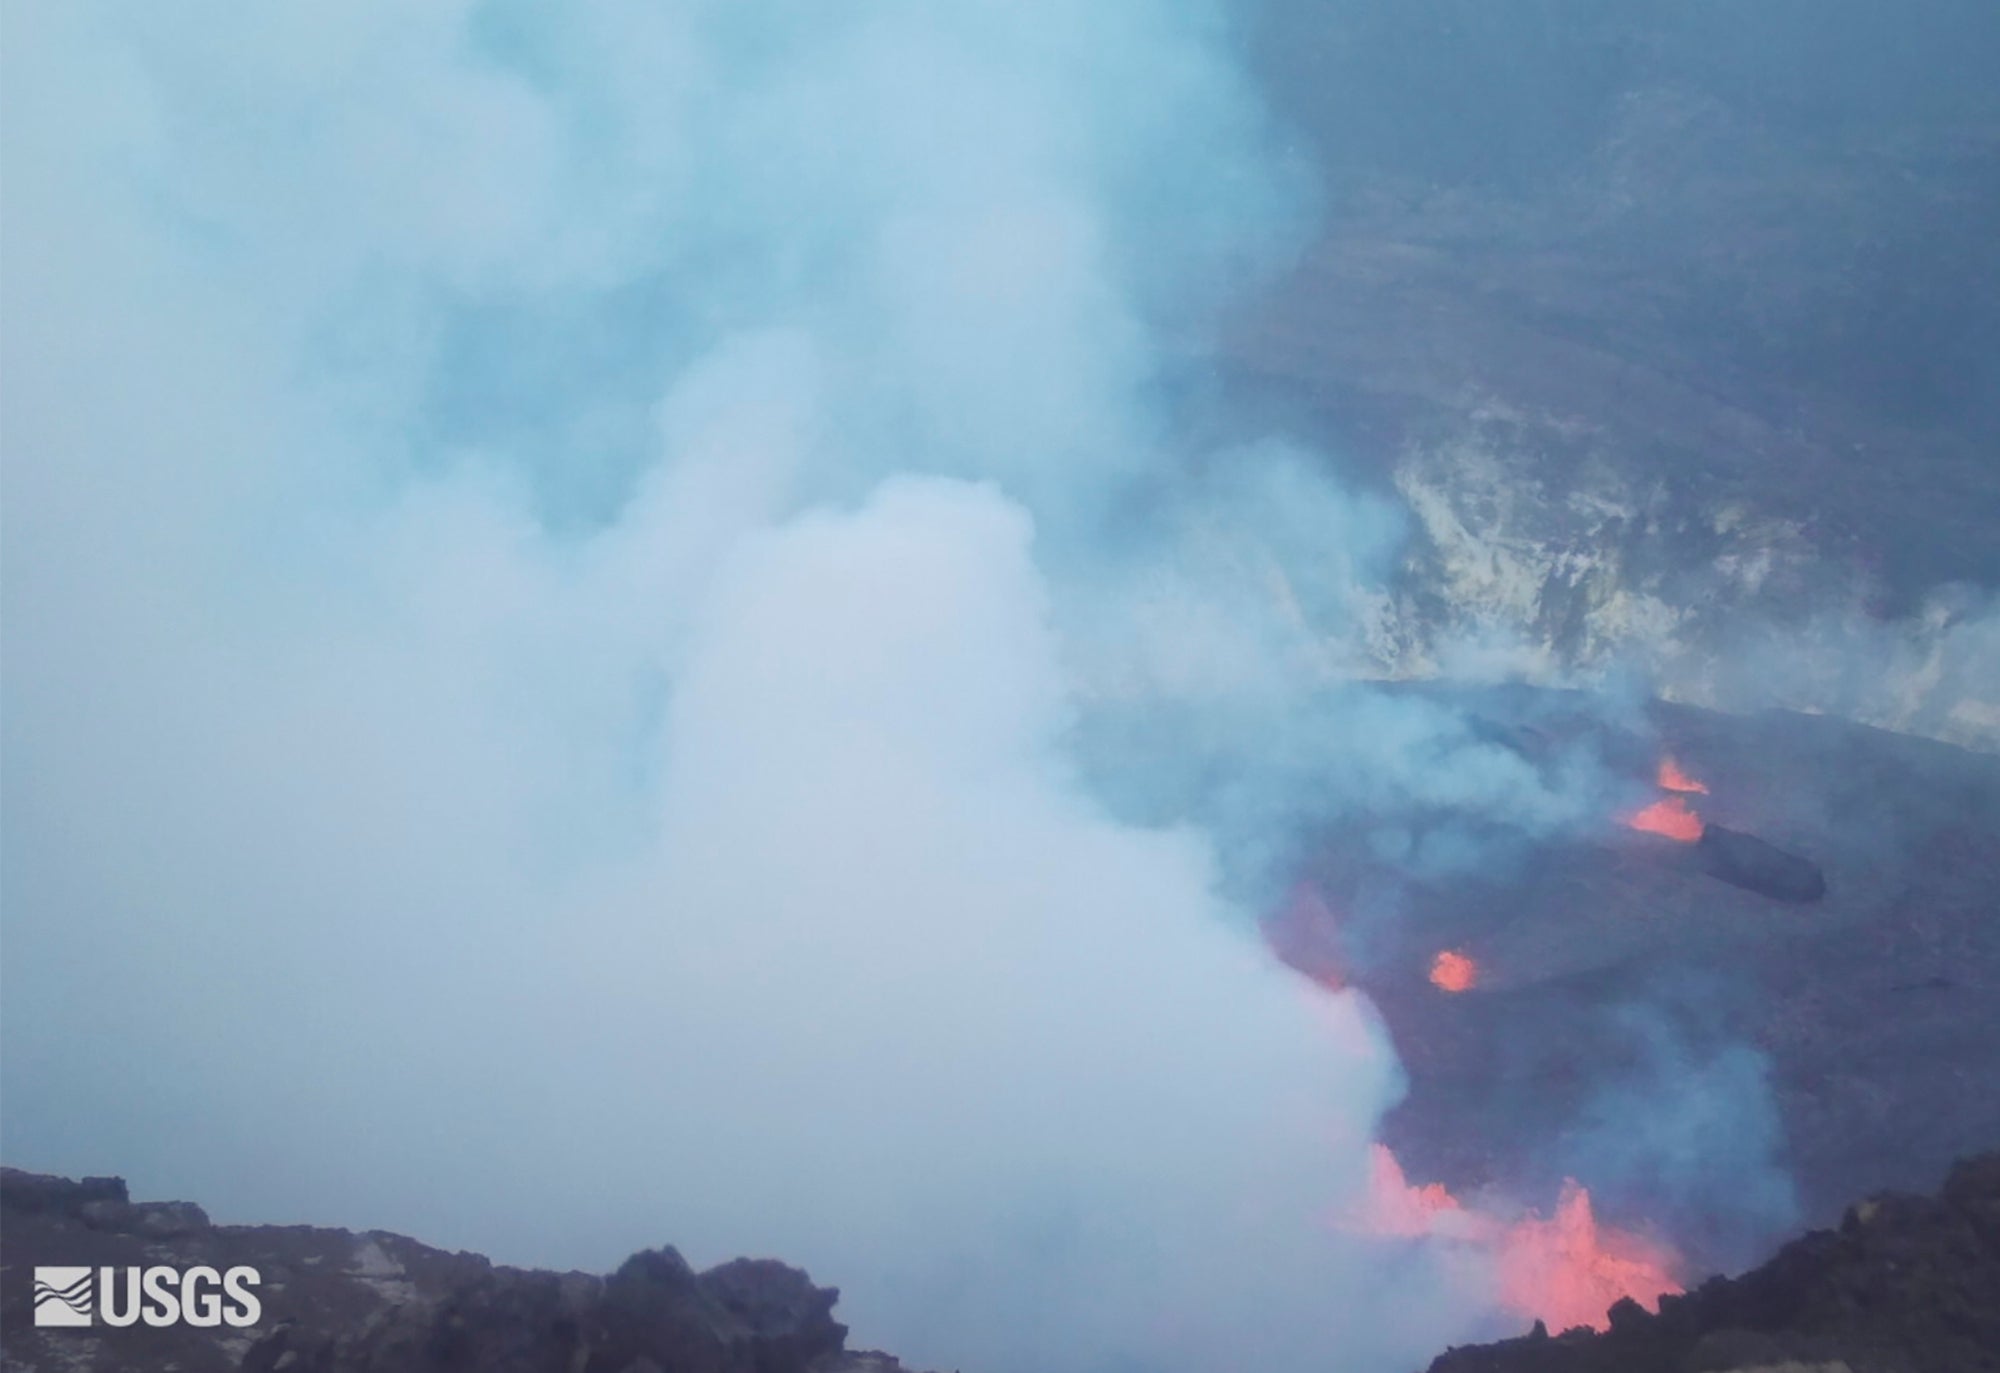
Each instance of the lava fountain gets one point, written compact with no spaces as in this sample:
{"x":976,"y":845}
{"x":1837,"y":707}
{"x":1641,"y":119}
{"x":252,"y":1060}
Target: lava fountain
{"x":1452,"y":971}
{"x":1565,"y":1269}
{"x":1742,"y":860}
{"x":1670,"y":816}
{"x":1672,"y":778}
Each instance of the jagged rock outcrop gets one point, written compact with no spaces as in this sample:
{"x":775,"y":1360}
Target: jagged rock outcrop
{"x":1906,"y":1284}
{"x":334,"y":1301}
{"x":1708,"y":389}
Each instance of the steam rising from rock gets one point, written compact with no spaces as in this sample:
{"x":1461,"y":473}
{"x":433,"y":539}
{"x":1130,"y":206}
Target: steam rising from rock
{"x":565,"y":572}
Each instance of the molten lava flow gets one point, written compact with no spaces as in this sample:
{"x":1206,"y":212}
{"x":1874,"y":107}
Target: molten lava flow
{"x":1568,"y":1270}
{"x":1673,"y":779}
{"x":1671,"y":817}
{"x":1565,"y":1270}
{"x":1452,"y":971}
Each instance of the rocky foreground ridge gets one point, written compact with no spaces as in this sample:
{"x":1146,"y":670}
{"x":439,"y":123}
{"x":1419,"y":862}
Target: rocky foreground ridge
{"x":335,"y":1301}
{"x":1906,"y":1284}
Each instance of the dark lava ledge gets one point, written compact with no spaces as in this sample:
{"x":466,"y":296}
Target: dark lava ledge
{"x":335,"y":1301}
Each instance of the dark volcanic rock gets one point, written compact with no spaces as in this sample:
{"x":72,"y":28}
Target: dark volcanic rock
{"x":1746,"y":861}
{"x":793,"y":1319}
{"x":1905,"y":1285}
{"x":40,"y":1194}
{"x":335,"y":1301}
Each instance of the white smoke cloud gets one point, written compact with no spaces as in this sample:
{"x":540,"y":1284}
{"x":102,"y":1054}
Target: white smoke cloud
{"x":1656,"y":1136}
{"x":656,"y":824}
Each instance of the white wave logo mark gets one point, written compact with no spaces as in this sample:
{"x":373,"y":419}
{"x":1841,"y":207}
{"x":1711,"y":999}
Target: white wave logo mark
{"x":63,"y":1296}
{"x":159,"y":1295}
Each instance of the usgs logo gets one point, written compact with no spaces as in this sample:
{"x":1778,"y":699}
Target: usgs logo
{"x":157,"y":1296}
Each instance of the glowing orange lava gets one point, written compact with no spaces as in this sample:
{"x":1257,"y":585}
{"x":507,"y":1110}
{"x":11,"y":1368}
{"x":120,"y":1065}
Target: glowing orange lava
{"x":1565,"y":1269}
{"x":1670,"y":817}
{"x":1568,"y":1270}
{"x":1452,"y":971}
{"x":1673,"y":779}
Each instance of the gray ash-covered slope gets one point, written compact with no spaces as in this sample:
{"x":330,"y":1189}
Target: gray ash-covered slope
{"x":1905,"y":1284}
{"x":1688,"y":1046}
{"x":335,"y":1301}
{"x":1676,"y":328}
